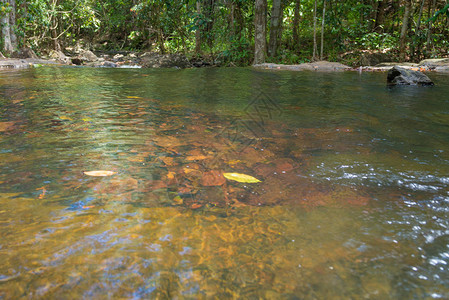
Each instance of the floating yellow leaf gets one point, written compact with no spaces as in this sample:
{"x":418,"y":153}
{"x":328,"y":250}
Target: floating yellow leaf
{"x":99,"y":173}
{"x":241,"y":177}
{"x":133,"y":97}
{"x":65,"y":118}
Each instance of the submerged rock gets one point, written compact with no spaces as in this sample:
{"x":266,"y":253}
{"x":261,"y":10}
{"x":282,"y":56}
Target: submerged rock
{"x":402,"y":76}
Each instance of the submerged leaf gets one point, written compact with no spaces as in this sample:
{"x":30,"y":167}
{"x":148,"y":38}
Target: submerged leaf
{"x":178,"y":200}
{"x":212,"y":178}
{"x":195,"y":157}
{"x":241,"y":177}
{"x":5,"y":126}
{"x":99,"y":173}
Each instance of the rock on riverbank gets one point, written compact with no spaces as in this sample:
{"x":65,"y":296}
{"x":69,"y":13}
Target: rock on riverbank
{"x":13,"y":63}
{"x":325,"y":66}
{"x":438,"y":65}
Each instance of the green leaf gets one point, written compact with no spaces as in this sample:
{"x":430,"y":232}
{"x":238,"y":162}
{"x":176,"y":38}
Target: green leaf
{"x":241,"y":177}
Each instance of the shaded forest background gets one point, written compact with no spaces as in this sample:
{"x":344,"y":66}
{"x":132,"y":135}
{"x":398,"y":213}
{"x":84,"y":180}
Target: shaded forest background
{"x":235,"y":32}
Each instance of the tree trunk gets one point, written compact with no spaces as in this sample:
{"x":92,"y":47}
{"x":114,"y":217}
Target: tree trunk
{"x":314,"y":32}
{"x":231,"y":7}
{"x":54,"y":27}
{"x":418,"y":33}
{"x":276,"y":12}
{"x":418,"y":24}
{"x":54,"y":35}
{"x":208,"y":12}
{"x":260,"y":31}
{"x":373,"y":14}
{"x":296,"y":17}
{"x":429,"y":29}
{"x":6,"y":31}
{"x":198,"y":31}
{"x":239,"y":20}
{"x":12,"y":23}
{"x":322,"y":30}
{"x":404,"y":29}
{"x":380,"y":16}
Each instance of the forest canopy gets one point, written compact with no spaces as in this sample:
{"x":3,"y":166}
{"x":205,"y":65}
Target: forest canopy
{"x":233,"y":31}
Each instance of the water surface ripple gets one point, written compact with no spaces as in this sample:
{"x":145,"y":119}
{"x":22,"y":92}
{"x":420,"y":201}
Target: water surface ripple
{"x":353,"y":201}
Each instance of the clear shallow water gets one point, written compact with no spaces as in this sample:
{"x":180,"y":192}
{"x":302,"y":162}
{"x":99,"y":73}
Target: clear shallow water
{"x":353,"y":201}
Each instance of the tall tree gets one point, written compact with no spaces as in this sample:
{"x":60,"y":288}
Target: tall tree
{"x":296,"y":17}
{"x":6,"y":26}
{"x":322,"y":30}
{"x":54,"y":25}
{"x":432,"y":8}
{"x":12,"y":23}
{"x":417,"y":41}
{"x":198,"y":31}
{"x":275,"y":25}
{"x":404,"y":29}
{"x":314,"y":32}
{"x":380,"y":16}
{"x":260,"y":31}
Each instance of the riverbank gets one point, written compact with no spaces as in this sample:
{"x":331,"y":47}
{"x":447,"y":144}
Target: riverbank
{"x":437,"y":65}
{"x":180,"y":61}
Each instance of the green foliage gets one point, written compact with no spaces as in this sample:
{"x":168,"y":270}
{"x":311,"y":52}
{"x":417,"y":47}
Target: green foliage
{"x":444,"y":11}
{"x":226,"y":28}
{"x":377,"y":41}
{"x":238,"y":52}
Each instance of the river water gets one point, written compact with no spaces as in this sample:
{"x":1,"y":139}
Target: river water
{"x":352,"y":203}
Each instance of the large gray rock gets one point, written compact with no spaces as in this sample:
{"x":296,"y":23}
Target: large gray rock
{"x":324,"y":66}
{"x":59,"y":56}
{"x":87,"y":56}
{"x":156,"y":60}
{"x":23,"y":63}
{"x":392,"y":64}
{"x":433,"y":63}
{"x":25,"y":53}
{"x":442,"y":69}
{"x":373,"y":59}
{"x":401,"y":76}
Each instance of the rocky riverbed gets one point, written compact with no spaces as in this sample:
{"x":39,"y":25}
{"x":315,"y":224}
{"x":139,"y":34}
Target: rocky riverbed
{"x":26,"y":58}
{"x":438,"y":65}
{"x":87,"y":58}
